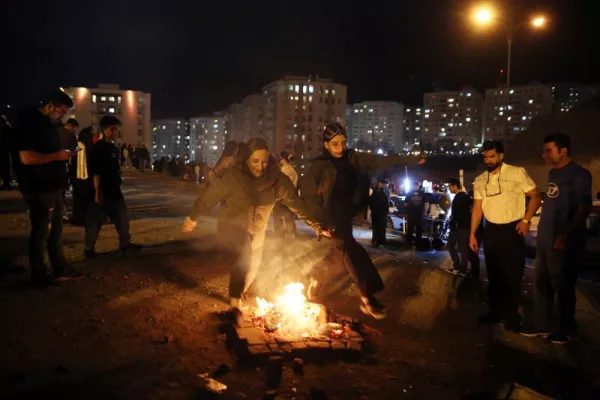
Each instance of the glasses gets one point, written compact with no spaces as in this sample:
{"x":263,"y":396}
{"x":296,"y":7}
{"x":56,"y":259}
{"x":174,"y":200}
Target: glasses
{"x":487,"y":193}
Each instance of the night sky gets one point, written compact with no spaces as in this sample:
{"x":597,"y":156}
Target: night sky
{"x":196,"y":57}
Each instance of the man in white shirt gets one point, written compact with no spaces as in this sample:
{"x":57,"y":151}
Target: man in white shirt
{"x":284,"y":220}
{"x":500,"y":197}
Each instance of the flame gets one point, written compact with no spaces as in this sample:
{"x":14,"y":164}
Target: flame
{"x":291,"y":313}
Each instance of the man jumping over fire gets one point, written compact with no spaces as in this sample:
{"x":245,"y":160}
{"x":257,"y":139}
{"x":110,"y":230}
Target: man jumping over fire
{"x":336,"y":188}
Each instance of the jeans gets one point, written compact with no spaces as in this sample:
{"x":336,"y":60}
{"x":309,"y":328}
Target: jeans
{"x":504,"y":250}
{"x":555,"y":277}
{"x":46,"y":216}
{"x":113,"y":208}
{"x":458,"y":247}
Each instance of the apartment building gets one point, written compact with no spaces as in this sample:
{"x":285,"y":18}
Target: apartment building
{"x":377,"y":126}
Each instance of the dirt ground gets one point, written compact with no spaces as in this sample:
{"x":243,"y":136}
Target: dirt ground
{"x":144,"y":328}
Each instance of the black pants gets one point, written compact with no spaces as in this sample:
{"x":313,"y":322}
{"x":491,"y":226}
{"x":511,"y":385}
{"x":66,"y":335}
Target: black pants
{"x":347,"y":253}
{"x":284,"y":221}
{"x":458,"y":247}
{"x":83,"y":194}
{"x":113,"y":208}
{"x":379,"y":224}
{"x":5,"y":168}
{"x":555,"y":277}
{"x":504,"y":251}
{"x":414,"y":223}
{"x":46,"y":216}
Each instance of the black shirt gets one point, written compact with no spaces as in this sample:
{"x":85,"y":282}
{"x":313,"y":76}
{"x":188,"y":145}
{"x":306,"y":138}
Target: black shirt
{"x":104,"y":162}
{"x":36,"y":132}
{"x":461,"y":211}
{"x":416,"y":203}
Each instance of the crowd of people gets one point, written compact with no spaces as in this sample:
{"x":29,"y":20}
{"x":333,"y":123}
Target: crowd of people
{"x":249,"y":183}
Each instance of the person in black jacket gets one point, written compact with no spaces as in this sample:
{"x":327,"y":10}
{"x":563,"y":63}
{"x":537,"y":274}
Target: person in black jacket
{"x":460,"y":225}
{"x":336,"y":187}
{"x":6,"y":148}
{"x":379,"y":202}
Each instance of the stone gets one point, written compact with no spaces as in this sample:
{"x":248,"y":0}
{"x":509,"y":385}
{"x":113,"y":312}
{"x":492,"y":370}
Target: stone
{"x":258,"y":350}
{"x":251,"y":335}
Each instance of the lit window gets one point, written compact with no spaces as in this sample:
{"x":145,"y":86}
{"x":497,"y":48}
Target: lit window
{"x":111,"y":110}
{"x":111,"y":99}
{"x":291,"y":87}
{"x":93,"y":98}
{"x":408,"y":110}
{"x":450,"y":100}
{"x":333,"y":92}
{"x":119,"y":99}
{"x":297,"y":88}
{"x":102,"y":98}
{"x":311,"y":89}
{"x":304,"y":89}
{"x":468,"y":94}
{"x":524,"y":118}
{"x":530,"y":101}
{"x":468,"y":119}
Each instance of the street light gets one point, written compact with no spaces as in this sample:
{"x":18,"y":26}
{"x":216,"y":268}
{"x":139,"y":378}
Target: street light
{"x":485,"y":15}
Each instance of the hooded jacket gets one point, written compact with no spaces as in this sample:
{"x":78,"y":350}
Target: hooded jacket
{"x":250,"y":201}
{"x":319,"y":180}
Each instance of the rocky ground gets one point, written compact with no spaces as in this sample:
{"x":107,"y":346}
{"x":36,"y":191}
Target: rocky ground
{"x":145,"y":328}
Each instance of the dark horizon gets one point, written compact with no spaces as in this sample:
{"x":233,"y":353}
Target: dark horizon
{"x":199,"y":58}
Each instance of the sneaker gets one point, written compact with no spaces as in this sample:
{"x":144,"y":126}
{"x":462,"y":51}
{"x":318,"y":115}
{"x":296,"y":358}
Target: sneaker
{"x":68,"y":274}
{"x":89,"y":253}
{"x":44,"y":282}
{"x":373,"y":308}
{"x":488,"y":319}
{"x":529,"y":332}
{"x":130,"y":249}
{"x":557,"y":338}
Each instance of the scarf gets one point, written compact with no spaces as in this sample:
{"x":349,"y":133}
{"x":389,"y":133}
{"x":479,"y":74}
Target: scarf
{"x":82,"y":172}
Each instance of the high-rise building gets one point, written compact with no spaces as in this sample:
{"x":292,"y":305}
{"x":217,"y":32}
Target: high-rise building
{"x":569,"y":95}
{"x":452,"y":116}
{"x":413,"y":126}
{"x":378,"y":126}
{"x":349,"y":112}
{"x":244,"y":118}
{"x":291,"y":114}
{"x":171,"y":138}
{"x":524,"y":103}
{"x":209,"y":136}
{"x":131,"y":107}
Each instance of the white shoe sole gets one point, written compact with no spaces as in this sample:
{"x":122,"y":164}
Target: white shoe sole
{"x":366,"y":311}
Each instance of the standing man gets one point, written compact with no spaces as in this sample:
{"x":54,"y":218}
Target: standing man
{"x":460,"y":224}
{"x":416,"y":207}
{"x":560,"y":241}
{"x":500,"y":198}
{"x":42,"y":176}
{"x":108,"y":199}
{"x":379,"y":203}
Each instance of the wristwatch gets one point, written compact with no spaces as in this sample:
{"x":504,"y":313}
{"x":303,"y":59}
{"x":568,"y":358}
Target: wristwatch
{"x":526,"y":221}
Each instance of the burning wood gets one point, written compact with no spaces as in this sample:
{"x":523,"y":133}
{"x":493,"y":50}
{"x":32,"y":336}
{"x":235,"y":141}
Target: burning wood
{"x":292,"y":316}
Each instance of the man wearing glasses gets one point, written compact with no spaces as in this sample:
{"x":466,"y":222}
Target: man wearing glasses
{"x":500,"y":197}
{"x":42,"y":176}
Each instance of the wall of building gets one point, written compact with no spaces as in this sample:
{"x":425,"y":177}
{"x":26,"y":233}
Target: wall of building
{"x":133,"y":108}
{"x":378,"y":126}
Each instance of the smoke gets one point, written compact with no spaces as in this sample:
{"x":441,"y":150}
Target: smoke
{"x":286,"y":261}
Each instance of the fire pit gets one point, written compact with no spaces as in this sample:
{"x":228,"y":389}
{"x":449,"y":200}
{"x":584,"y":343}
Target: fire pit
{"x":292,"y":327}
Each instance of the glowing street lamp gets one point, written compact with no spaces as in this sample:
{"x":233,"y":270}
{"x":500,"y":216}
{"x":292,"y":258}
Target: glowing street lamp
{"x":538,"y":22}
{"x":483,"y":15}
{"x":486,"y":15}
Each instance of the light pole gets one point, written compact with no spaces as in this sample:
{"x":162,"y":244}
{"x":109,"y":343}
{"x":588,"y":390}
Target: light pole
{"x":484,"y":16}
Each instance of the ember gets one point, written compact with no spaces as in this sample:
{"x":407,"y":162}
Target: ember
{"x":291,"y":314}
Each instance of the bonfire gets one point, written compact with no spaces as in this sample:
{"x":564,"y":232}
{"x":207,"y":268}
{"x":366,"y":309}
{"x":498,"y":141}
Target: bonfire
{"x":291,"y":315}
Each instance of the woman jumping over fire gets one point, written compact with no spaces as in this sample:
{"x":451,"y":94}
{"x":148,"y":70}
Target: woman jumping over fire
{"x":336,"y":188}
{"x":251,"y":188}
